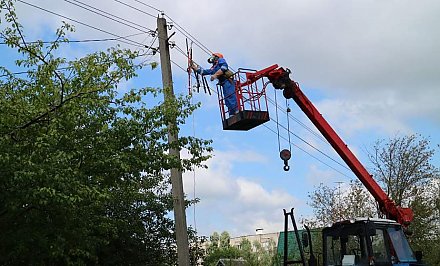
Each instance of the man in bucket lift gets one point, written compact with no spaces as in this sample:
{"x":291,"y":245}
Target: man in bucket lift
{"x":219,"y":70}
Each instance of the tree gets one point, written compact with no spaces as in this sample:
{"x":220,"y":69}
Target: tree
{"x":196,"y":250}
{"x":360,"y":202}
{"x":403,"y":166}
{"x":331,"y":204}
{"x":219,"y":248}
{"x":225,"y":239}
{"x":254,"y":254}
{"x":248,"y":252}
{"x":83,"y":168}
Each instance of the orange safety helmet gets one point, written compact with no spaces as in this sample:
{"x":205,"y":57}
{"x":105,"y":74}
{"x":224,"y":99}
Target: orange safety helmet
{"x":219,"y":55}
{"x":214,"y":57}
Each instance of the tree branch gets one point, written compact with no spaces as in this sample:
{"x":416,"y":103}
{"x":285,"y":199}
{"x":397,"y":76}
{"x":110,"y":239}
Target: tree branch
{"x":42,"y":59}
{"x":53,"y":109}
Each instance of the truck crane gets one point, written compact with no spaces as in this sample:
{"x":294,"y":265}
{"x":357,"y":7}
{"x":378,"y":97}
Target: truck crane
{"x":367,"y":241}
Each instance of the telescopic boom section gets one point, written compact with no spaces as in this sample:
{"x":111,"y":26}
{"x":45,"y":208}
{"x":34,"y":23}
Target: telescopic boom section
{"x":280,"y":80}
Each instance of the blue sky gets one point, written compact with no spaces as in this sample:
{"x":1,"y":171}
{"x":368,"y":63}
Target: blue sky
{"x":370,"y":67}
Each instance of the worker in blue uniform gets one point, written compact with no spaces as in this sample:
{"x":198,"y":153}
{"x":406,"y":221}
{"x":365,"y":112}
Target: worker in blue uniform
{"x":219,"y":70}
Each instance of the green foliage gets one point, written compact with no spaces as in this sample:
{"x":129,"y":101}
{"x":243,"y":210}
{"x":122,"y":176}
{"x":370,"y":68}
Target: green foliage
{"x":219,"y":248}
{"x":82,"y":168}
{"x":221,"y":253}
{"x":224,"y":239}
{"x":196,"y":247}
{"x":331,"y":204}
{"x":403,"y":165}
{"x":254,"y":254}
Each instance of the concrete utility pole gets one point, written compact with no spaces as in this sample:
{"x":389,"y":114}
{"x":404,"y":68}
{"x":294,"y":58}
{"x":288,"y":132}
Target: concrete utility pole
{"x":176,"y":174}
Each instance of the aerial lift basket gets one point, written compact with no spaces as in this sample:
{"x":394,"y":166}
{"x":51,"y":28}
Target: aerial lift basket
{"x":251,"y":100}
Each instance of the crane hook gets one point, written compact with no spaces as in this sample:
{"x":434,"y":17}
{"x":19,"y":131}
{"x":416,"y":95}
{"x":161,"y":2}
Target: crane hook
{"x":285,"y":156}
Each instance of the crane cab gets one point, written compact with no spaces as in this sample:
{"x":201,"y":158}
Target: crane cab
{"x":379,"y":242}
{"x":251,"y":100}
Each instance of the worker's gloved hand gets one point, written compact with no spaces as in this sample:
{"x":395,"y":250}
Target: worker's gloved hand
{"x":194,"y":66}
{"x":213,"y":77}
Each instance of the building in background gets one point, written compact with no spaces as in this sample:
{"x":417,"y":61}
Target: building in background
{"x":264,"y":239}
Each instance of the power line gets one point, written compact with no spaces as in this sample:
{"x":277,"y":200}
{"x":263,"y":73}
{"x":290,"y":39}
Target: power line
{"x":298,"y":121}
{"x":89,"y":7}
{"x":25,"y":72}
{"x":160,"y":11}
{"x":178,"y":27}
{"x":127,"y":41}
{"x":61,"y":68}
{"x":310,"y":145}
{"x":150,"y":47}
{"x":186,"y":34}
{"x":111,"y":16}
{"x":308,"y":153}
{"x":137,"y":9}
{"x":81,"y":41}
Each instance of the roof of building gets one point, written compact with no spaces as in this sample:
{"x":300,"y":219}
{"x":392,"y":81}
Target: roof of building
{"x":231,"y":262}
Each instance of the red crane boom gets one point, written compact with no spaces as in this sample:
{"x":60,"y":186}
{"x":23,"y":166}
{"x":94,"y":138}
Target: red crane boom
{"x":280,"y":79}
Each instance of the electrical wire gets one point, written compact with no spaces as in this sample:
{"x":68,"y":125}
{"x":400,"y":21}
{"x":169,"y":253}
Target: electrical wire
{"x":189,"y":36}
{"x":311,"y":146}
{"x":308,"y":153}
{"x":298,"y":121}
{"x":160,"y":11}
{"x":60,"y":68}
{"x":126,"y":40}
{"x":178,"y":27}
{"x":151,"y":47}
{"x":303,"y":140}
{"x":82,"y":41}
{"x":137,"y":9}
{"x":111,"y":16}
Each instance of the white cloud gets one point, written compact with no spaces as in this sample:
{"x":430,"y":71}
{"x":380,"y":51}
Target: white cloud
{"x":242,"y":203}
{"x":359,"y":115}
{"x":251,"y":193}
